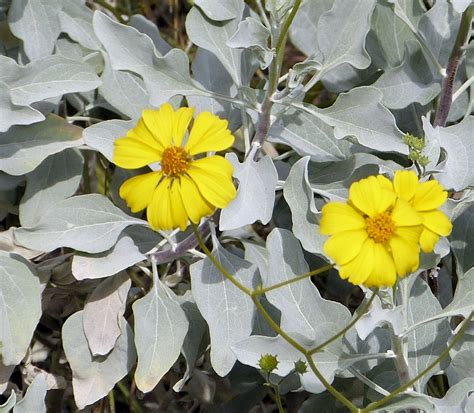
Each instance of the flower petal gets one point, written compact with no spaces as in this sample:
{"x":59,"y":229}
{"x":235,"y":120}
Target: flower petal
{"x":138,"y":191}
{"x":406,"y":254}
{"x":429,"y":195}
{"x":213,"y":177}
{"x":370,"y":197}
{"x":166,"y":210}
{"x":167,"y":125}
{"x":137,"y":149}
{"x":405,"y":184}
{"x":338,"y":217}
{"x":209,"y":133}
{"x":428,"y":240}
{"x":404,"y":215}
{"x":195,"y":204}
{"x":385,"y":182}
{"x":360,"y":268}
{"x":344,"y":246}
{"x":437,"y":222}
{"x":383,"y":273}
{"x":410,"y":234}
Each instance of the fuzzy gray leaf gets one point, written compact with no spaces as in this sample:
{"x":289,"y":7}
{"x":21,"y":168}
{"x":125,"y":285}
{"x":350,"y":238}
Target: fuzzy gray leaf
{"x":256,"y":193}
{"x":94,"y":377}
{"x":20,"y":306}
{"x":89,"y":223}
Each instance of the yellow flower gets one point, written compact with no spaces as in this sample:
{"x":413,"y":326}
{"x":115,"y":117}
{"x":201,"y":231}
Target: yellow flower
{"x":185,"y":188}
{"x":374,"y":236}
{"x":425,"y":198}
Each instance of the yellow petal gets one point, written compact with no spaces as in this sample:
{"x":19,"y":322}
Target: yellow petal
{"x":406,"y":255}
{"x":437,"y":222}
{"x":209,"y":133}
{"x":133,"y":153}
{"x":167,"y":125}
{"x":194,"y":203}
{"x":405,"y":184}
{"x":429,"y":195}
{"x":213,"y":177}
{"x":166,"y":210}
{"x":337,"y":217}
{"x":138,"y":191}
{"x":404,"y":215}
{"x":370,"y":197}
{"x":360,"y":268}
{"x":384,"y":182}
{"x":428,"y":240}
{"x":383,"y":273}
{"x":344,"y":246}
{"x":410,"y":234}
{"x":182,"y":118}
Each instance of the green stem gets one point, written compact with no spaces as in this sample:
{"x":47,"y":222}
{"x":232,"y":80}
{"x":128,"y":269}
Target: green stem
{"x":263,"y":125}
{"x":346,"y":328}
{"x":339,"y":396}
{"x":280,"y":49}
{"x":261,"y":291}
{"x":277,"y":328}
{"x":410,"y":383}
{"x":111,"y":401}
{"x":278,"y":399}
{"x":219,"y":266}
{"x":135,"y":406}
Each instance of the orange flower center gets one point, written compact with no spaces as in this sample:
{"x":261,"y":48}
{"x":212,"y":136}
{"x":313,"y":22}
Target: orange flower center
{"x":175,"y":161}
{"x":381,"y":227}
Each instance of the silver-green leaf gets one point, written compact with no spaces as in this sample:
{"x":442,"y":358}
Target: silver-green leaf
{"x":20,"y":306}
{"x":89,"y":223}
{"x":94,"y":377}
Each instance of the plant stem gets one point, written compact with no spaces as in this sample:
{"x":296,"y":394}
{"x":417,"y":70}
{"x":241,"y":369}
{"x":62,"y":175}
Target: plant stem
{"x":410,"y":383}
{"x":263,"y":125}
{"x":278,"y":399}
{"x":457,"y":53}
{"x":400,"y":361}
{"x":338,"y":395}
{"x":346,"y":328}
{"x":261,"y":291}
{"x":111,"y":401}
{"x":219,"y":266}
{"x":187,"y":244}
{"x":276,"y":327}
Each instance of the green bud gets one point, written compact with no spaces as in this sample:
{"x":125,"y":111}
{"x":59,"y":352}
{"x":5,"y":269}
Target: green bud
{"x":423,"y":161}
{"x":301,"y":367}
{"x":268,"y":362}
{"x":414,"y":155}
{"x":414,"y":142}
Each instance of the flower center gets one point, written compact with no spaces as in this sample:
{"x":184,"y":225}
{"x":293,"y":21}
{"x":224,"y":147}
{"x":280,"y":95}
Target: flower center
{"x":381,"y":227}
{"x":175,"y":161}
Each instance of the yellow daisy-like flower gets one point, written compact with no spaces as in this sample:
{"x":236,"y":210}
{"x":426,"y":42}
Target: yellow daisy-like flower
{"x":425,"y":198}
{"x":374,"y":236}
{"x":185,"y":188}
